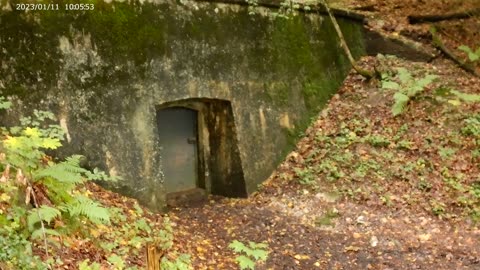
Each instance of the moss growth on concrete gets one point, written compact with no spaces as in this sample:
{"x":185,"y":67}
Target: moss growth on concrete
{"x":297,"y":54}
{"x":100,"y":68}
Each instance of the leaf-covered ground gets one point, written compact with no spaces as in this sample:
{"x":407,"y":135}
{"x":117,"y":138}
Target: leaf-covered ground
{"x":362,"y":189}
{"x":393,"y":17}
{"x":379,"y":192}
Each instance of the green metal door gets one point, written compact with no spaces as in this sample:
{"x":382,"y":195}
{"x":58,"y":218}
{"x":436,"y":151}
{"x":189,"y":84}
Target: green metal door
{"x":177,"y":127}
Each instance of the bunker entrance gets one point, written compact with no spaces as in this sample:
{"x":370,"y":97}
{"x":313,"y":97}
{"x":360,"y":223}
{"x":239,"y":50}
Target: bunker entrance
{"x":199,"y":150}
{"x":178,"y":139}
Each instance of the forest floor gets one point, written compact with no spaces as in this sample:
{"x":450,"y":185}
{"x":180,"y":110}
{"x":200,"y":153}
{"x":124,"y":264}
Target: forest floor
{"x":363,"y":189}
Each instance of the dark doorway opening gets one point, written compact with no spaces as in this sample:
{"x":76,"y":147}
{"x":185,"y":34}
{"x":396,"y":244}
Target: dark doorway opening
{"x":199,"y":150}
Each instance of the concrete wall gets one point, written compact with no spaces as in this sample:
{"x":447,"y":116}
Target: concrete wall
{"x":104,"y":72}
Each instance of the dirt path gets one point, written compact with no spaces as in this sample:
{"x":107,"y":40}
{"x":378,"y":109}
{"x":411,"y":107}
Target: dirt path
{"x":362,"y":237}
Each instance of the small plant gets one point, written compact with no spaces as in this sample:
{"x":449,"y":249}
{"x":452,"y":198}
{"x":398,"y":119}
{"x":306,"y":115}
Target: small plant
{"x":401,"y":131}
{"x":446,"y":152}
{"x":424,"y":185}
{"x":438,"y":208}
{"x":386,"y":199}
{"x":377,"y":140}
{"x":305,"y":176}
{"x":327,"y":218}
{"x":455,"y":97}
{"x":164,"y":240}
{"x":252,"y":6}
{"x":249,"y":255}
{"x":4,"y":103}
{"x":404,"y":144}
{"x":465,"y":97}
{"x":408,"y":88}
{"x":16,"y":251}
{"x":85,"y":265}
{"x":473,"y":56}
{"x":472,"y":126}
{"x":330,"y":168}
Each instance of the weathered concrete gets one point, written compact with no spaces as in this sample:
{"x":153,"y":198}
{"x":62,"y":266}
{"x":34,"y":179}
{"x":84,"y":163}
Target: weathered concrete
{"x":106,"y":72}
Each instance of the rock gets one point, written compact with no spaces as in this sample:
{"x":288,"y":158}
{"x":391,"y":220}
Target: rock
{"x":361,"y":220}
{"x":373,"y":241}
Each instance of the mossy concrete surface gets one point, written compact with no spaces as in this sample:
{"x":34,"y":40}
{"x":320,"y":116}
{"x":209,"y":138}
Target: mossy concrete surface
{"x":105,"y":71}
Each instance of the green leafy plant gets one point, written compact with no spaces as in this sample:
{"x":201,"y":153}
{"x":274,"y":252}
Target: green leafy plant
{"x":181,"y":262}
{"x":438,"y":208}
{"x":472,"y":126}
{"x":249,"y":255}
{"x":164,"y":240}
{"x":4,"y":103}
{"x":466,"y":97}
{"x":472,"y":55}
{"x":252,"y":6}
{"x":85,"y":265}
{"x":408,"y":88}
{"x":305,"y":176}
{"x":35,"y":190}
{"x":446,"y":152}
{"x":332,"y":171}
{"x":43,"y":199}
{"x":327,"y":218}
{"x":377,"y":140}
{"x":16,"y":251}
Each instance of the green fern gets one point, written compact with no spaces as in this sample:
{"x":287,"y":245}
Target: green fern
{"x":401,"y":101}
{"x":182,"y":262}
{"x":472,"y":55}
{"x":38,"y":233}
{"x":83,"y":206}
{"x":68,"y":171}
{"x":466,"y":97}
{"x":4,"y":104}
{"x":407,"y":89}
{"x":24,"y":150}
{"x":253,"y":253}
{"x":43,"y":213}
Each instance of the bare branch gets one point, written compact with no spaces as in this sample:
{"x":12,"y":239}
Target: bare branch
{"x":365,"y":73}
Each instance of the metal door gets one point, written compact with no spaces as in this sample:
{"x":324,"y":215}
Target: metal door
{"x":177,"y":129}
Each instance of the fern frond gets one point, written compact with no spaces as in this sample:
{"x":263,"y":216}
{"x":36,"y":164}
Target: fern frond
{"x":401,"y":101}
{"x":46,"y":213}
{"x":404,"y":75}
{"x":466,"y":97}
{"x":83,"y":206}
{"x":67,"y":171}
{"x":425,"y":81}
{"x":38,"y":233}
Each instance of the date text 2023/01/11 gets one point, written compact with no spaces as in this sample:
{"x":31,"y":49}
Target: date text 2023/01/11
{"x":73,"y":7}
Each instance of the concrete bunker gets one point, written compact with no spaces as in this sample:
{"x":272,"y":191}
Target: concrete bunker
{"x":252,"y":81}
{"x":199,"y":150}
